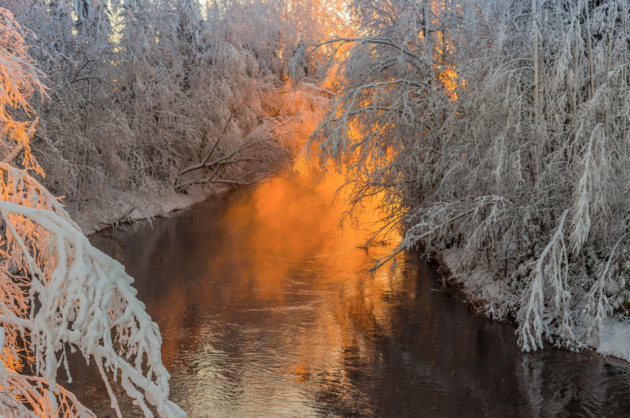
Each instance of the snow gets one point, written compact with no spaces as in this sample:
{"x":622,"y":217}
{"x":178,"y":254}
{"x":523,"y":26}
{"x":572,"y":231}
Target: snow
{"x":123,"y":207}
{"x":615,"y":339}
{"x":479,"y":284}
{"x":80,"y":299}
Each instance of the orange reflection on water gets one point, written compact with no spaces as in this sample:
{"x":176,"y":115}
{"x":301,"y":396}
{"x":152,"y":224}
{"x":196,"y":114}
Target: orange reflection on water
{"x":263,"y":299}
{"x":284,"y":231}
{"x":286,"y":222}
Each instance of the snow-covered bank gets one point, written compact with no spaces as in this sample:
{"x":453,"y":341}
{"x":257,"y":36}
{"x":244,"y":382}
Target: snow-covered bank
{"x":615,"y":340}
{"x":479,"y":285}
{"x":121,"y":207}
{"x":481,"y":289}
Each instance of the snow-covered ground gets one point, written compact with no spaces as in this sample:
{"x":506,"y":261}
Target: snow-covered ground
{"x":120,"y":207}
{"x":479,"y":284}
{"x":481,"y":288}
{"x":615,"y":340}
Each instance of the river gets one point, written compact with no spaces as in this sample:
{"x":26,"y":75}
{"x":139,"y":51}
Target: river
{"x":265,"y":309}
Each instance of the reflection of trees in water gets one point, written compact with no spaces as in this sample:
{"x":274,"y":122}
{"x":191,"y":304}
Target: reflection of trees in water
{"x":258,"y":321}
{"x":402,"y":355}
{"x":531,"y":376}
{"x":563,"y":382}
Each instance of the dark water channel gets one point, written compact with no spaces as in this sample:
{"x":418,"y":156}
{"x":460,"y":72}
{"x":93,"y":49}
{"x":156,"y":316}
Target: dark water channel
{"x":265,"y":310}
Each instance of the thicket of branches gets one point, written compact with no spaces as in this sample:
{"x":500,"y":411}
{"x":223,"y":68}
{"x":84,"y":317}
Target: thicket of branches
{"x":153,"y":95}
{"x":500,"y":128}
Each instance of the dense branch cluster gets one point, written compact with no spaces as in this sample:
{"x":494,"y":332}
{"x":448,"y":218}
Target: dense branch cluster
{"x":140,"y":91}
{"x":498,"y":128}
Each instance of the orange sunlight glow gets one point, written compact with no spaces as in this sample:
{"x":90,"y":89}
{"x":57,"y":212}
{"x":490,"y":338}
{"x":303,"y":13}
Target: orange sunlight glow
{"x":444,"y":50}
{"x":288,"y":228}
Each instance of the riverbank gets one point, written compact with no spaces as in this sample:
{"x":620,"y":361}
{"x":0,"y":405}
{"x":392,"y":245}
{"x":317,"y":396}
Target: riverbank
{"x":481,"y":289}
{"x":121,"y":207}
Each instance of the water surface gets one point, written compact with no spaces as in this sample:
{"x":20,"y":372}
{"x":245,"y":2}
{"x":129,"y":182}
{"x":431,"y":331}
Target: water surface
{"x":265,"y":309}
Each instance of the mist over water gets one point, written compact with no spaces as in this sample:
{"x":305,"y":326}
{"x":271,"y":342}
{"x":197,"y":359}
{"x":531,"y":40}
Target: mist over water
{"x":265,"y":309}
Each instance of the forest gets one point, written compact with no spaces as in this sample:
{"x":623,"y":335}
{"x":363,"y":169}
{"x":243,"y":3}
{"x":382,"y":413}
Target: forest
{"x":495,"y":134}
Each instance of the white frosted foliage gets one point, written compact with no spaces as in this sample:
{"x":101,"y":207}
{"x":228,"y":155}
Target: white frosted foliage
{"x":498,"y":131}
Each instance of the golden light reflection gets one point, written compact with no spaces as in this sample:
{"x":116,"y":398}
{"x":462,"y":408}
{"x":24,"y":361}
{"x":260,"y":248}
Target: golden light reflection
{"x":279,"y":276}
{"x":286,"y":232}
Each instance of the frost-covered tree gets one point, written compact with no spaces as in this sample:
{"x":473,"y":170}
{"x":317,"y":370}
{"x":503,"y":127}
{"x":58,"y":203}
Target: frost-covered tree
{"x":58,"y":294}
{"x":154,"y":95}
{"x":499,"y":129}
{"x":70,"y":42}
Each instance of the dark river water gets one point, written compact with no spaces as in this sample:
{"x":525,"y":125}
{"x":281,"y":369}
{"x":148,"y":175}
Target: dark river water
{"x":265,"y":309}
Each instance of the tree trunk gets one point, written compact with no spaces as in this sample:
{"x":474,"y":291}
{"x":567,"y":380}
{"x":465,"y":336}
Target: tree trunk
{"x":83,"y":180}
{"x":536,"y":93}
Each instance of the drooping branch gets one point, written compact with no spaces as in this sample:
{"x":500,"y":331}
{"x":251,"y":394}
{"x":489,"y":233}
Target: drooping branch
{"x":17,"y":150}
{"x":85,"y":319}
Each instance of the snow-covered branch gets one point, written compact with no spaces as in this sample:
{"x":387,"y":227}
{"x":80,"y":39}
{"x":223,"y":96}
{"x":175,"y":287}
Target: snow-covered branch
{"x":499,"y":131}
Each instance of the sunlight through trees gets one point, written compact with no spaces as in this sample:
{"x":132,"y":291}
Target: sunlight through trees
{"x":490,"y":134}
{"x":524,"y":174}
